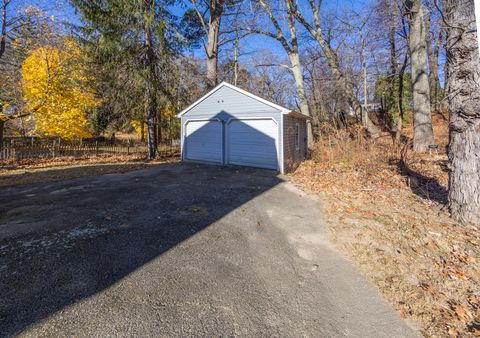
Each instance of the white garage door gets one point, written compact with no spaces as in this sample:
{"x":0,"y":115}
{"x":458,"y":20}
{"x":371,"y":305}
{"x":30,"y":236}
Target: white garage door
{"x":253,"y":143}
{"x":204,"y":141}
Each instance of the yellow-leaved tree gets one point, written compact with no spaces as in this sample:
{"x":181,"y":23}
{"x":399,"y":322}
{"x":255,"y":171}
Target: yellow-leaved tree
{"x":57,"y":91}
{"x":139,"y":127}
{"x":173,"y":123}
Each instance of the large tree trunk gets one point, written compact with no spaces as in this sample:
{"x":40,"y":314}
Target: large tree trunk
{"x":463,"y":103}
{"x":216,"y":12}
{"x":302,"y":96}
{"x":297,"y":70}
{"x":150,"y":93}
{"x":422,"y":115}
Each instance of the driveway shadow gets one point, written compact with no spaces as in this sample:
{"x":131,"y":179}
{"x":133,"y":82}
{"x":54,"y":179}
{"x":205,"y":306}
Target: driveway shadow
{"x":63,"y":242}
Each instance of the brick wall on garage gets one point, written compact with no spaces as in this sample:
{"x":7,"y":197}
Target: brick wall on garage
{"x":293,"y":157}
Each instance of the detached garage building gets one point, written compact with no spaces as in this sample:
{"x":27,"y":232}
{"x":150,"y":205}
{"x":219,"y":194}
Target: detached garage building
{"x":229,"y":126}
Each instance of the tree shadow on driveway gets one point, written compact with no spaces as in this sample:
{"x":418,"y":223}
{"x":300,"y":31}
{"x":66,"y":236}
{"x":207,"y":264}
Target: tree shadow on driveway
{"x":66,"y":241}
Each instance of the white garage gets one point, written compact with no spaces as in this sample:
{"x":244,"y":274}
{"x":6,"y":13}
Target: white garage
{"x":229,"y":126}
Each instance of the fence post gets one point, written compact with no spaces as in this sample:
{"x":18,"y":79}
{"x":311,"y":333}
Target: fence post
{"x":96,"y":147}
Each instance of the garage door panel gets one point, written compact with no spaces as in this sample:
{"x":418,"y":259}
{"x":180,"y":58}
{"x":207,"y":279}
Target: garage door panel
{"x":204,"y":141}
{"x":253,"y":143}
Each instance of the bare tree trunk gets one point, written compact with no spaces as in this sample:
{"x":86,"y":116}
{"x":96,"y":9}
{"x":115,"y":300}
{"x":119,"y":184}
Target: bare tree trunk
{"x":392,"y":42}
{"x":3,"y":36}
{"x":2,"y":127}
{"x":401,"y":75}
{"x":235,"y":58}
{"x":151,"y":98}
{"x":346,"y":86}
{"x":432,"y":52}
{"x":216,"y":11}
{"x":436,"y":67}
{"x":291,"y":48}
{"x":158,"y":121}
{"x":302,"y":96}
{"x":341,"y":80}
{"x":463,"y":101}
{"x":397,"y":77}
{"x":422,"y":116}
{"x":318,"y":111}
{"x":298,"y":73}
{"x":365,"y":84}
{"x":332,"y":59}
{"x":434,"y":80}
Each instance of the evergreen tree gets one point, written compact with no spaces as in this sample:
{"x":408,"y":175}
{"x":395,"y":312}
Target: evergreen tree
{"x":133,"y":43}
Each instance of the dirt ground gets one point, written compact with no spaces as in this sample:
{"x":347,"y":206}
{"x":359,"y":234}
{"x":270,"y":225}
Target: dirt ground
{"x":389,"y":217}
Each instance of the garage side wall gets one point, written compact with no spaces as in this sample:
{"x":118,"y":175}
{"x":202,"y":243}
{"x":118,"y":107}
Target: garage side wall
{"x":294,"y":155}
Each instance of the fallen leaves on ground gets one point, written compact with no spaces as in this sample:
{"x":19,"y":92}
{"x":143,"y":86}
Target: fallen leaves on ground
{"x":389,"y":217}
{"x":62,"y":168}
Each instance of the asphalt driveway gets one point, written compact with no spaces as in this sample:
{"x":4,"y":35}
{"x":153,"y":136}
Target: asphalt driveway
{"x":178,"y":250}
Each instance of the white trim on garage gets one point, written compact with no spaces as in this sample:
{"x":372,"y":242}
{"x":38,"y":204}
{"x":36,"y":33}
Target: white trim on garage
{"x":282,"y":153}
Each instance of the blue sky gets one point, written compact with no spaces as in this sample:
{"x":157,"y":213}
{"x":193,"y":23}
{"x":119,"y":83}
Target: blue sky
{"x":62,"y":11}
{"x":251,"y":46}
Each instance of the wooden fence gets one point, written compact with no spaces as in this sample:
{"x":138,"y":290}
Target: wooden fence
{"x":18,"y":152}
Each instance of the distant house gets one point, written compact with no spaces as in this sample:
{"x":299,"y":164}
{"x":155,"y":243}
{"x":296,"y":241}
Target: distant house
{"x":230,"y":126}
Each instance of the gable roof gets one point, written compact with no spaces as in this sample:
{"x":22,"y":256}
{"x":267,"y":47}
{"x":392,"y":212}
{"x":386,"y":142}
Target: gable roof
{"x":244,"y":92}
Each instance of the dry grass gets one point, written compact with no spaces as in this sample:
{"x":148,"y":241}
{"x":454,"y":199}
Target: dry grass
{"x":62,"y":168}
{"x":389,"y":217}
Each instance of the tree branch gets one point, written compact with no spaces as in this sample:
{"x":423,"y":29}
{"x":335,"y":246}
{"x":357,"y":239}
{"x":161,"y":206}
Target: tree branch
{"x":200,"y":16}
{"x":280,"y":36}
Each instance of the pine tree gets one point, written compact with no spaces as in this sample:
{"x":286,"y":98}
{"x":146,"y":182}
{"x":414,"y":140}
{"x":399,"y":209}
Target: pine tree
{"x":133,"y":42}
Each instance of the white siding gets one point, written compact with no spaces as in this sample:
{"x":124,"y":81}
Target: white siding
{"x":228,"y":101}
